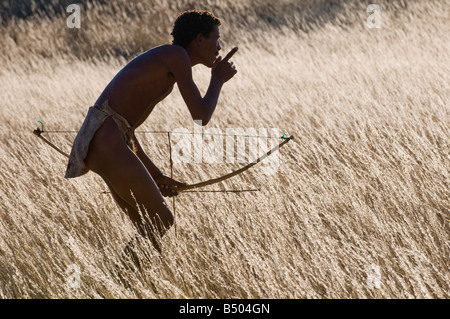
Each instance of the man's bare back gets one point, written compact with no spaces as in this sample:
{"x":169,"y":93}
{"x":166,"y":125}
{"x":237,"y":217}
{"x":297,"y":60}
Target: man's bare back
{"x":140,"y":85}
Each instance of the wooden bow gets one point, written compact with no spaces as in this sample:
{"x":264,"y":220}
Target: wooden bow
{"x":38,"y":132}
{"x":236,"y":172}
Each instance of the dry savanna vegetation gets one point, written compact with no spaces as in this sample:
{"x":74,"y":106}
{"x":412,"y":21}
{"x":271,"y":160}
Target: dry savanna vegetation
{"x":358,"y":207}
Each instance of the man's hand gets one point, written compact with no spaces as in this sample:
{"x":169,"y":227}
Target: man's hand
{"x":224,"y":69}
{"x":168,"y":186}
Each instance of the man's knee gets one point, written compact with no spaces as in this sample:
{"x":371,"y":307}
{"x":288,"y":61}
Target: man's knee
{"x":162,"y":221}
{"x":167,"y":219}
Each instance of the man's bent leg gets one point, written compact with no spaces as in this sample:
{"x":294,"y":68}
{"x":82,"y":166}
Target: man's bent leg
{"x":125,"y":174}
{"x":131,"y":211}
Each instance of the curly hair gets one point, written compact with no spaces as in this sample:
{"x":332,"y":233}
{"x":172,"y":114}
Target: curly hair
{"x":190,"y":23}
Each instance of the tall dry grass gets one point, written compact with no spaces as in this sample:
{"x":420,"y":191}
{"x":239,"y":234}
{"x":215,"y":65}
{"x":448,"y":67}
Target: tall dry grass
{"x":361,"y":194}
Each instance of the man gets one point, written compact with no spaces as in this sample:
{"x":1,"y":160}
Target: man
{"x":106,"y":143}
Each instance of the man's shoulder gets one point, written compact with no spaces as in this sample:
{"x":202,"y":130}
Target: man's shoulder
{"x":165,"y":55}
{"x":174,"y":57}
{"x":172,"y":51}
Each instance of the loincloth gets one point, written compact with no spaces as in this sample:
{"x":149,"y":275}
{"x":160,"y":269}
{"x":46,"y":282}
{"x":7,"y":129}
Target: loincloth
{"x":94,"y":120}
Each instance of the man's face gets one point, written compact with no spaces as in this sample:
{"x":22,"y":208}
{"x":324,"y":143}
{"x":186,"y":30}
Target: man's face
{"x":211,"y":47}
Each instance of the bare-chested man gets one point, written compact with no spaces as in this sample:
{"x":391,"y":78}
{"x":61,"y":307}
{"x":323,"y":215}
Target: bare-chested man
{"x":106,"y":143}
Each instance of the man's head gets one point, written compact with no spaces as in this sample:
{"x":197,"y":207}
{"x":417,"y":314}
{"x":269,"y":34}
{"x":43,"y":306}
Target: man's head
{"x":202,"y":27}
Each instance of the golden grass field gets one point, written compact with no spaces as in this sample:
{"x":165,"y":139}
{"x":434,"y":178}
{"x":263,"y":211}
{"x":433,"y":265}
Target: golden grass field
{"x":358,"y":208}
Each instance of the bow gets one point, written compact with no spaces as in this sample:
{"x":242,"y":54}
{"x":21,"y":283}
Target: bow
{"x":238,"y":171}
{"x":38,"y":132}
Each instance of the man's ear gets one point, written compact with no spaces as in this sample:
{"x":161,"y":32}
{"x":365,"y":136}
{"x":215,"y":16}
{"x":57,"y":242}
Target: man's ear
{"x":199,"y":38}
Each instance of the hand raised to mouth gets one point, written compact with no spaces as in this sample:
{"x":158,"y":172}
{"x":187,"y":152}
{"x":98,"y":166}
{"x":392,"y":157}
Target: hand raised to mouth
{"x":224,"y":69}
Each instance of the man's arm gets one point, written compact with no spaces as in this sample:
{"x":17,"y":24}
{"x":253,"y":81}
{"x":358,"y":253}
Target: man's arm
{"x":201,"y":108}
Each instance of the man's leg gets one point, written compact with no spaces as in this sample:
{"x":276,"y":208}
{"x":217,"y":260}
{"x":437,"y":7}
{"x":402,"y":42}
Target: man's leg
{"x":131,"y":246}
{"x":129,"y":180}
